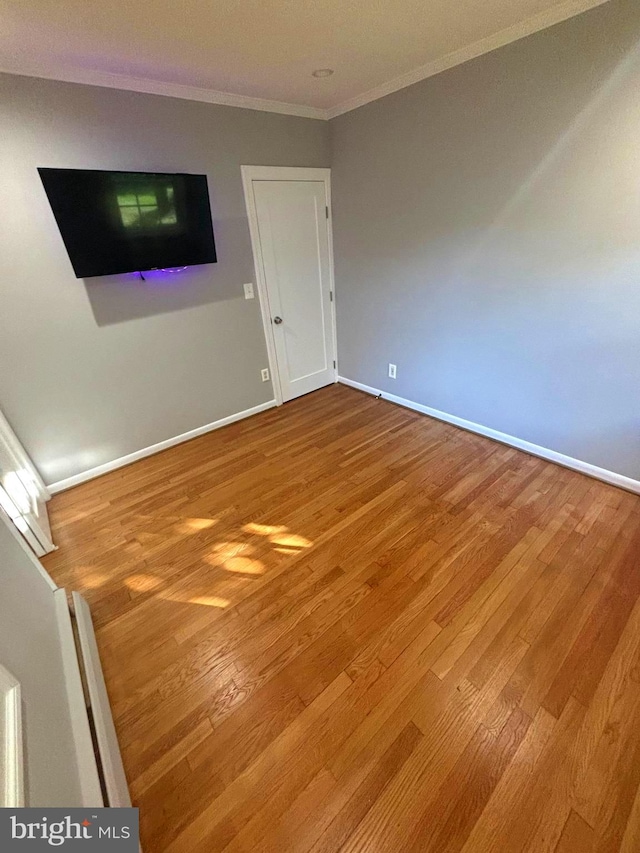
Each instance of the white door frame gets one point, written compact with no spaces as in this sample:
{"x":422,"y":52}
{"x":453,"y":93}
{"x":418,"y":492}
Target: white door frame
{"x":284,"y":173}
{"x":11,"y":746}
{"x":33,"y":527}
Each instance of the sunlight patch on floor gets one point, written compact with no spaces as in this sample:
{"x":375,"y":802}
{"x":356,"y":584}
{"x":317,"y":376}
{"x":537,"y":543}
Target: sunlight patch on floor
{"x":264,"y":529}
{"x":224,"y":550}
{"x":242,"y":565}
{"x":211,"y":601}
{"x":194,"y":525}
{"x":290,"y":540}
{"x":142,"y":583}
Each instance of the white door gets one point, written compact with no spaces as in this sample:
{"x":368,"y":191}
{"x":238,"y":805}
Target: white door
{"x":291,"y":218}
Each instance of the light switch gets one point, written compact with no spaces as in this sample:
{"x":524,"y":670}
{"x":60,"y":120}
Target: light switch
{"x":248,"y":290}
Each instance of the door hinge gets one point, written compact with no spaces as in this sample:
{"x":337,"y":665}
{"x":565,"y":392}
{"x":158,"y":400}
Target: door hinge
{"x":331,"y":296}
{"x":334,"y":364}
{"x":326,"y":210}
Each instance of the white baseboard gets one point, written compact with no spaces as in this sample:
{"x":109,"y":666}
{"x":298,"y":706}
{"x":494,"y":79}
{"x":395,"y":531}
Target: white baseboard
{"x":534,"y":449}
{"x":61,"y":485}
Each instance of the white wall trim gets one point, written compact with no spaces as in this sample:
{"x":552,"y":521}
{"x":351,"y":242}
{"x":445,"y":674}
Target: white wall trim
{"x":249,"y":173}
{"x":91,"y":77}
{"x":334,"y":301}
{"x":33,"y":523}
{"x":87,"y":766}
{"x":541,"y":21}
{"x":286,"y":173}
{"x":61,"y":485}
{"x":11,"y":746}
{"x":534,"y":449}
{"x":19,"y":454}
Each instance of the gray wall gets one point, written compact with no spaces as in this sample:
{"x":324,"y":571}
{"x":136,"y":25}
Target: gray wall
{"x":487,"y":239}
{"x":30,"y":650}
{"x":91,"y":370}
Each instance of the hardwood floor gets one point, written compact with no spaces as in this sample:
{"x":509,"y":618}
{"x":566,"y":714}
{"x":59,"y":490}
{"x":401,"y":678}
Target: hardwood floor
{"x":343,"y":626}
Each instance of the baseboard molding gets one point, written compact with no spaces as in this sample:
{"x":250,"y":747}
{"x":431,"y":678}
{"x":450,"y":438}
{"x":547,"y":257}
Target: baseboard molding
{"x":594,"y":471}
{"x":69,"y":482}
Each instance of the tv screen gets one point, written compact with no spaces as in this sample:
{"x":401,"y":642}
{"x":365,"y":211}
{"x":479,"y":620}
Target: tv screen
{"x":117,"y":222}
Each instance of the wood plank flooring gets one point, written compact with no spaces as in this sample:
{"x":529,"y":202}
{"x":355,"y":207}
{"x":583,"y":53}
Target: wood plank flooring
{"x":343,"y":626}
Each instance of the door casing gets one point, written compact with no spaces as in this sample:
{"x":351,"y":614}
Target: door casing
{"x":32,"y":521}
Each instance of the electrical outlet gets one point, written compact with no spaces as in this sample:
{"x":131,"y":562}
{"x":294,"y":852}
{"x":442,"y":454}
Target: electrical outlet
{"x":392,"y":371}
{"x":265,"y":374}
{"x":248,"y":290}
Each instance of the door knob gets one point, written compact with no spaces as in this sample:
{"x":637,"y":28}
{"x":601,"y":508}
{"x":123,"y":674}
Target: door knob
{"x":277,"y":320}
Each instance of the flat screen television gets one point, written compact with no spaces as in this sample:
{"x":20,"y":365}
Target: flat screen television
{"x":118,"y":222}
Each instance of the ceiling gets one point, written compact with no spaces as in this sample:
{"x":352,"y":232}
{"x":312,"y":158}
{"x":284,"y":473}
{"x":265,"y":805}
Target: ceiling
{"x":261,"y":53}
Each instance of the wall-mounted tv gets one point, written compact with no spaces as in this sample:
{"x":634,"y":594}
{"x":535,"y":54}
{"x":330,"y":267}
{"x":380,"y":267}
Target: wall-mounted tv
{"x":118,"y":222}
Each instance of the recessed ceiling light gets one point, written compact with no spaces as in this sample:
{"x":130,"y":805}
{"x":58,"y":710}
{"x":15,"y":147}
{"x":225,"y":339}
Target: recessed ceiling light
{"x":322,"y":72}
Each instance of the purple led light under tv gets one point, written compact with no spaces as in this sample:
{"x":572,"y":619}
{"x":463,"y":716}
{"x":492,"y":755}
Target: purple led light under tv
{"x":162,"y":272}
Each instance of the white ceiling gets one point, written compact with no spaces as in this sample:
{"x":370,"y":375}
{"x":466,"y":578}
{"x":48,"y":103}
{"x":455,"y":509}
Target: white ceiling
{"x":260,"y":53}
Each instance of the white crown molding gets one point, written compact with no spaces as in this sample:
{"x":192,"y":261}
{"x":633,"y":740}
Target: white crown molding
{"x":538,"y":22}
{"x":587,"y":468}
{"x":91,"y":77}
